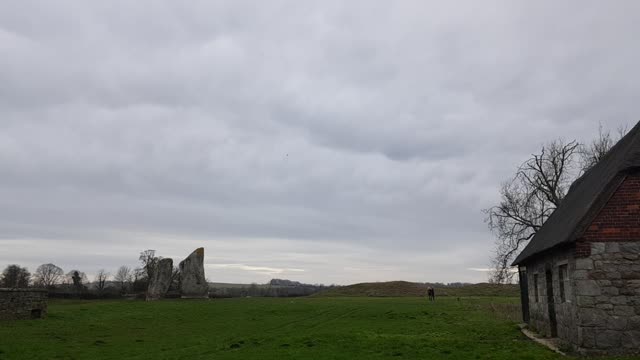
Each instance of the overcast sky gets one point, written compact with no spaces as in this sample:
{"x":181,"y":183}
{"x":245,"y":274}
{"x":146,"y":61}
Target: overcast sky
{"x":321,"y":141}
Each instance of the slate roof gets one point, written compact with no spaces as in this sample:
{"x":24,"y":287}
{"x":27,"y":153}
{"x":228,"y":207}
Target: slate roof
{"x":586,"y":197}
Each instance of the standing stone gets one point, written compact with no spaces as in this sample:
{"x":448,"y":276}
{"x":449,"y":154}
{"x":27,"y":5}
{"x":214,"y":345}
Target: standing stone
{"x":161,"y":280}
{"x":192,"y":281}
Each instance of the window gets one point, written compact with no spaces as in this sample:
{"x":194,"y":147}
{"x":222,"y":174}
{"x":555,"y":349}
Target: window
{"x":535,"y":286}
{"x":563,"y":278}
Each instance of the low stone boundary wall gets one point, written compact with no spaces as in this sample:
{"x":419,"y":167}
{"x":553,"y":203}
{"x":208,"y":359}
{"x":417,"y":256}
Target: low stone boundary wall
{"x":21,"y":304}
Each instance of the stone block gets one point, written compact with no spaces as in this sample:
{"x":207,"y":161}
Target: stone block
{"x":584,"y":264}
{"x":585,"y":301}
{"x":602,"y":283}
{"x":630,"y":247}
{"x":633,"y":323}
{"x":623,"y":290}
{"x":617,"y":322}
{"x":618,"y":300}
{"x":608,"y":339}
{"x":633,"y":300}
{"x":580,"y":274}
{"x":609,"y":267}
{"x":624,"y":310}
{"x":604,"y":306}
{"x":630,"y":275}
{"x":597,"y":275}
{"x":587,"y":337}
{"x":616,"y":258}
{"x":610,"y":291}
{"x":612,"y":247}
{"x":614,"y":275}
{"x":593,"y":317}
{"x":597,"y":248}
{"x":631,"y":339}
{"x":587,"y":287}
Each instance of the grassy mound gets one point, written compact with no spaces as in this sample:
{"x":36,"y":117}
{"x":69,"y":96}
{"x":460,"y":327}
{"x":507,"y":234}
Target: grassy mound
{"x":405,"y":288}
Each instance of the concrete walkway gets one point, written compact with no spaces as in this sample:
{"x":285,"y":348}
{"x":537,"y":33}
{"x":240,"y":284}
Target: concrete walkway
{"x":551,"y":343}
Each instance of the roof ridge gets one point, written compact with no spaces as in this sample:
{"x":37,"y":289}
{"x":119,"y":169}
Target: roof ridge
{"x":635,"y":138}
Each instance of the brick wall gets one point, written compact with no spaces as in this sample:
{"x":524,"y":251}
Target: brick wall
{"x":582,"y":249}
{"x":619,"y":220}
{"x":20,"y":304}
{"x":600,"y":311}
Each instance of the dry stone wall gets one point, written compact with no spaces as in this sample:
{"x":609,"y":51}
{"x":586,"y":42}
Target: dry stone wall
{"x":22,"y":304}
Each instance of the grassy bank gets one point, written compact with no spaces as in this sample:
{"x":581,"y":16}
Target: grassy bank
{"x":405,"y":288}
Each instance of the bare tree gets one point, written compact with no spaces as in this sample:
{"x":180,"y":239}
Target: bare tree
{"x":15,"y":276}
{"x":175,"y":279}
{"x":528,"y":200}
{"x":101,"y":280}
{"x":593,"y":152}
{"x":76,"y":278}
{"x":149,"y":262}
{"x":140,"y":280}
{"x":48,"y":275}
{"x":530,"y":197}
{"x":124,"y":277}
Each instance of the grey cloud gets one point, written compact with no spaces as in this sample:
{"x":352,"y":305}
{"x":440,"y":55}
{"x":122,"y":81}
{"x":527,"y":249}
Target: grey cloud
{"x":356,"y":141}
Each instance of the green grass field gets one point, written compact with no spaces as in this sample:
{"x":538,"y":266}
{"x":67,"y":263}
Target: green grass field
{"x":266,"y":328}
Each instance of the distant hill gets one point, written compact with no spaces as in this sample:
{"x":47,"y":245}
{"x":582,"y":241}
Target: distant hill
{"x":275,"y":288}
{"x":405,"y":288}
{"x":284,"y":282}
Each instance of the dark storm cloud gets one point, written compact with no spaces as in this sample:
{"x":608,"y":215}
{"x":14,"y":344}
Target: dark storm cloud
{"x":321,"y":141}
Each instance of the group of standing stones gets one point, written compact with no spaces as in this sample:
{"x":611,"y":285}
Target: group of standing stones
{"x":193,"y":283}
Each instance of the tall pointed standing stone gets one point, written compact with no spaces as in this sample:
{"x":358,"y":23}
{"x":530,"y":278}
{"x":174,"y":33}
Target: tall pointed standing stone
{"x":193,"y":284}
{"x":161,"y":280}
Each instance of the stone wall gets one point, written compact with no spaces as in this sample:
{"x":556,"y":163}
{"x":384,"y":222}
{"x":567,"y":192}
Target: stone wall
{"x":600,"y":313}
{"x":19,"y":304}
{"x":607,"y":285}
{"x":565,"y":307}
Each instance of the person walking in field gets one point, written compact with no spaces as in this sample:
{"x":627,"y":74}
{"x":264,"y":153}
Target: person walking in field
{"x":431,"y":293}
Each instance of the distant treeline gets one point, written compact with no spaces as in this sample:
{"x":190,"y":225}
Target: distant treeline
{"x":129,"y":282}
{"x":275,"y":288}
{"x":124,"y":282}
